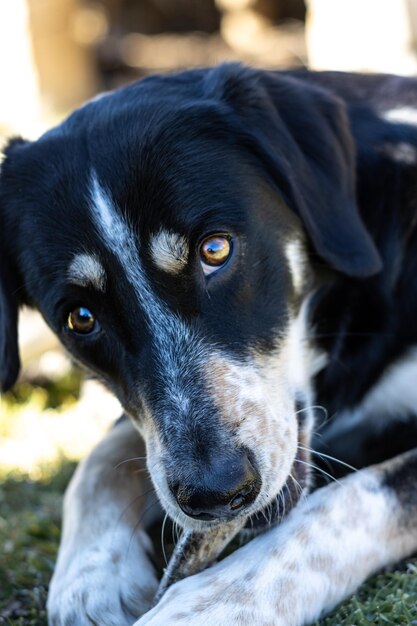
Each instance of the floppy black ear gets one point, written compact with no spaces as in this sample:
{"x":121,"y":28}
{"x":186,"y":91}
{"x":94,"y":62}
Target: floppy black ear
{"x":301,"y":134}
{"x":9,"y":352}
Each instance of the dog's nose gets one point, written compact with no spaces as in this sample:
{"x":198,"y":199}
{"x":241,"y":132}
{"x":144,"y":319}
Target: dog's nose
{"x":225,"y":489}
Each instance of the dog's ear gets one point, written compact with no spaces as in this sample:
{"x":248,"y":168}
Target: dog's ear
{"x":301,"y":134}
{"x":9,"y":302}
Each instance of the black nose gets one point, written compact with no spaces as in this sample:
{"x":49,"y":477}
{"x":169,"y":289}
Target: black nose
{"x":221,"y":490}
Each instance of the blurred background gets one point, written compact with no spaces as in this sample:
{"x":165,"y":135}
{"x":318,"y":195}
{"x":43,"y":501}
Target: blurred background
{"x":54,"y":55}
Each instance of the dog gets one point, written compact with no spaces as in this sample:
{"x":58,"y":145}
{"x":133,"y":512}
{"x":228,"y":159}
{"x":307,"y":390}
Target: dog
{"x":233,"y":253}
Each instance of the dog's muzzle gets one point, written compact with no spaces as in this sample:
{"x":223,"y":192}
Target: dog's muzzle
{"x":220,"y":491}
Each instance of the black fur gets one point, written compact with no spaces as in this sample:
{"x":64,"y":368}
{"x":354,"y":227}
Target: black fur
{"x":366,"y":325}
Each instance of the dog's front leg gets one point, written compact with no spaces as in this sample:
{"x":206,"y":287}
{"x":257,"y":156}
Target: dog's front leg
{"x":103,"y":575}
{"x":321,"y":553}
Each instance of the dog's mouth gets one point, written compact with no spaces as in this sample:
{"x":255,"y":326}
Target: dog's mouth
{"x":294,"y":489}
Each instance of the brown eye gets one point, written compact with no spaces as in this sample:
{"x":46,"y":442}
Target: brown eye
{"x":82,"y":321}
{"x":214,"y":252}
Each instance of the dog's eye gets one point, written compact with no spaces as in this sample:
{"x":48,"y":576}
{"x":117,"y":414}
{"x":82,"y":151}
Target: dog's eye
{"x":81,"y":320}
{"x":214,"y":252}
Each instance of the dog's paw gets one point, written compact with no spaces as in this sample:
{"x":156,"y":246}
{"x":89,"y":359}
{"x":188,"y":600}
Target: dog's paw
{"x":111,"y":583}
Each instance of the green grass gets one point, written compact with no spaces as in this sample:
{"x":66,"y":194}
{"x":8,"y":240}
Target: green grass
{"x":387,"y":599}
{"x":30,"y":515}
{"x":29,"y":533}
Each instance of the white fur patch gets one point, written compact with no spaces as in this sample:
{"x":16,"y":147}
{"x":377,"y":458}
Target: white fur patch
{"x":167,"y":328}
{"x":304,"y":361}
{"x":297,"y":263}
{"x":401,"y":152}
{"x":86,"y":270}
{"x":393,"y":397}
{"x":401,"y":115}
{"x":103,"y":574}
{"x":169,"y":251}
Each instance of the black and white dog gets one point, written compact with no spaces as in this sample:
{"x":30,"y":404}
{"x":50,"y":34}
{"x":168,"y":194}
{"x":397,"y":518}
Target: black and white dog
{"x":227,"y":249}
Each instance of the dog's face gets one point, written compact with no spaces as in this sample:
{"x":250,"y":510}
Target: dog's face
{"x":165,"y":232}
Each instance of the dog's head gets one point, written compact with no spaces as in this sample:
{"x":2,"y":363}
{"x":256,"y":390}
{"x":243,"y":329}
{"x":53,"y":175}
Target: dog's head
{"x":165,"y":232}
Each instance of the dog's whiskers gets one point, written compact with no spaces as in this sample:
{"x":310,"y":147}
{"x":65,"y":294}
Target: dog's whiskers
{"x":328,"y":456}
{"x":319,"y":469}
{"x":138,"y":523}
{"x":313,"y":407}
{"x":135,"y":499}
{"x":163,"y":538}
{"x":297,"y":486}
{"x":175,"y":531}
{"x":324,"y":423}
{"x":135,"y":458}
{"x":270,"y":513}
{"x":141,"y":469}
{"x":283,"y":504}
{"x":290,"y":495}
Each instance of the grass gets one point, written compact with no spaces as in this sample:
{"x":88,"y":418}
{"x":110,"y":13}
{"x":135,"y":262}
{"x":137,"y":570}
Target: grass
{"x":29,"y":534}
{"x":389,"y":598}
{"x":30,"y":513}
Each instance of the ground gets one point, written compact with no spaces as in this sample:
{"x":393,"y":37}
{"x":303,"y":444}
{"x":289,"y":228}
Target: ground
{"x":43,"y":429}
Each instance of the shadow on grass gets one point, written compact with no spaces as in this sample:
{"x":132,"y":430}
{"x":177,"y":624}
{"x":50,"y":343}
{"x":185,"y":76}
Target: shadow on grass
{"x":30,"y":518}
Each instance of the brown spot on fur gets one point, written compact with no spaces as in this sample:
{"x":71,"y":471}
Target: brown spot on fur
{"x":203,"y":604}
{"x":244,"y":619}
{"x":303,"y":536}
{"x":321,"y":563}
{"x":293,"y":566}
{"x":304,"y":438}
{"x":274,"y":458}
{"x":147,"y":595}
{"x":180,"y":616}
{"x":249,"y":407}
{"x":223,"y":392}
{"x":286,"y":587}
{"x":250,"y":575}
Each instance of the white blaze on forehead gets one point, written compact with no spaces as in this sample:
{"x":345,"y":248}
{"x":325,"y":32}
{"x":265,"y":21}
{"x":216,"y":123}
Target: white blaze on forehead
{"x":401,"y":115}
{"x":121,"y":240}
{"x":86,"y":270}
{"x":167,"y":329}
{"x":297,"y":262}
{"x":169,"y":251}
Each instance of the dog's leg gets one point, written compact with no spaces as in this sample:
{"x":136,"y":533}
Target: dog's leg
{"x":321,"y":553}
{"x":103,"y":575}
